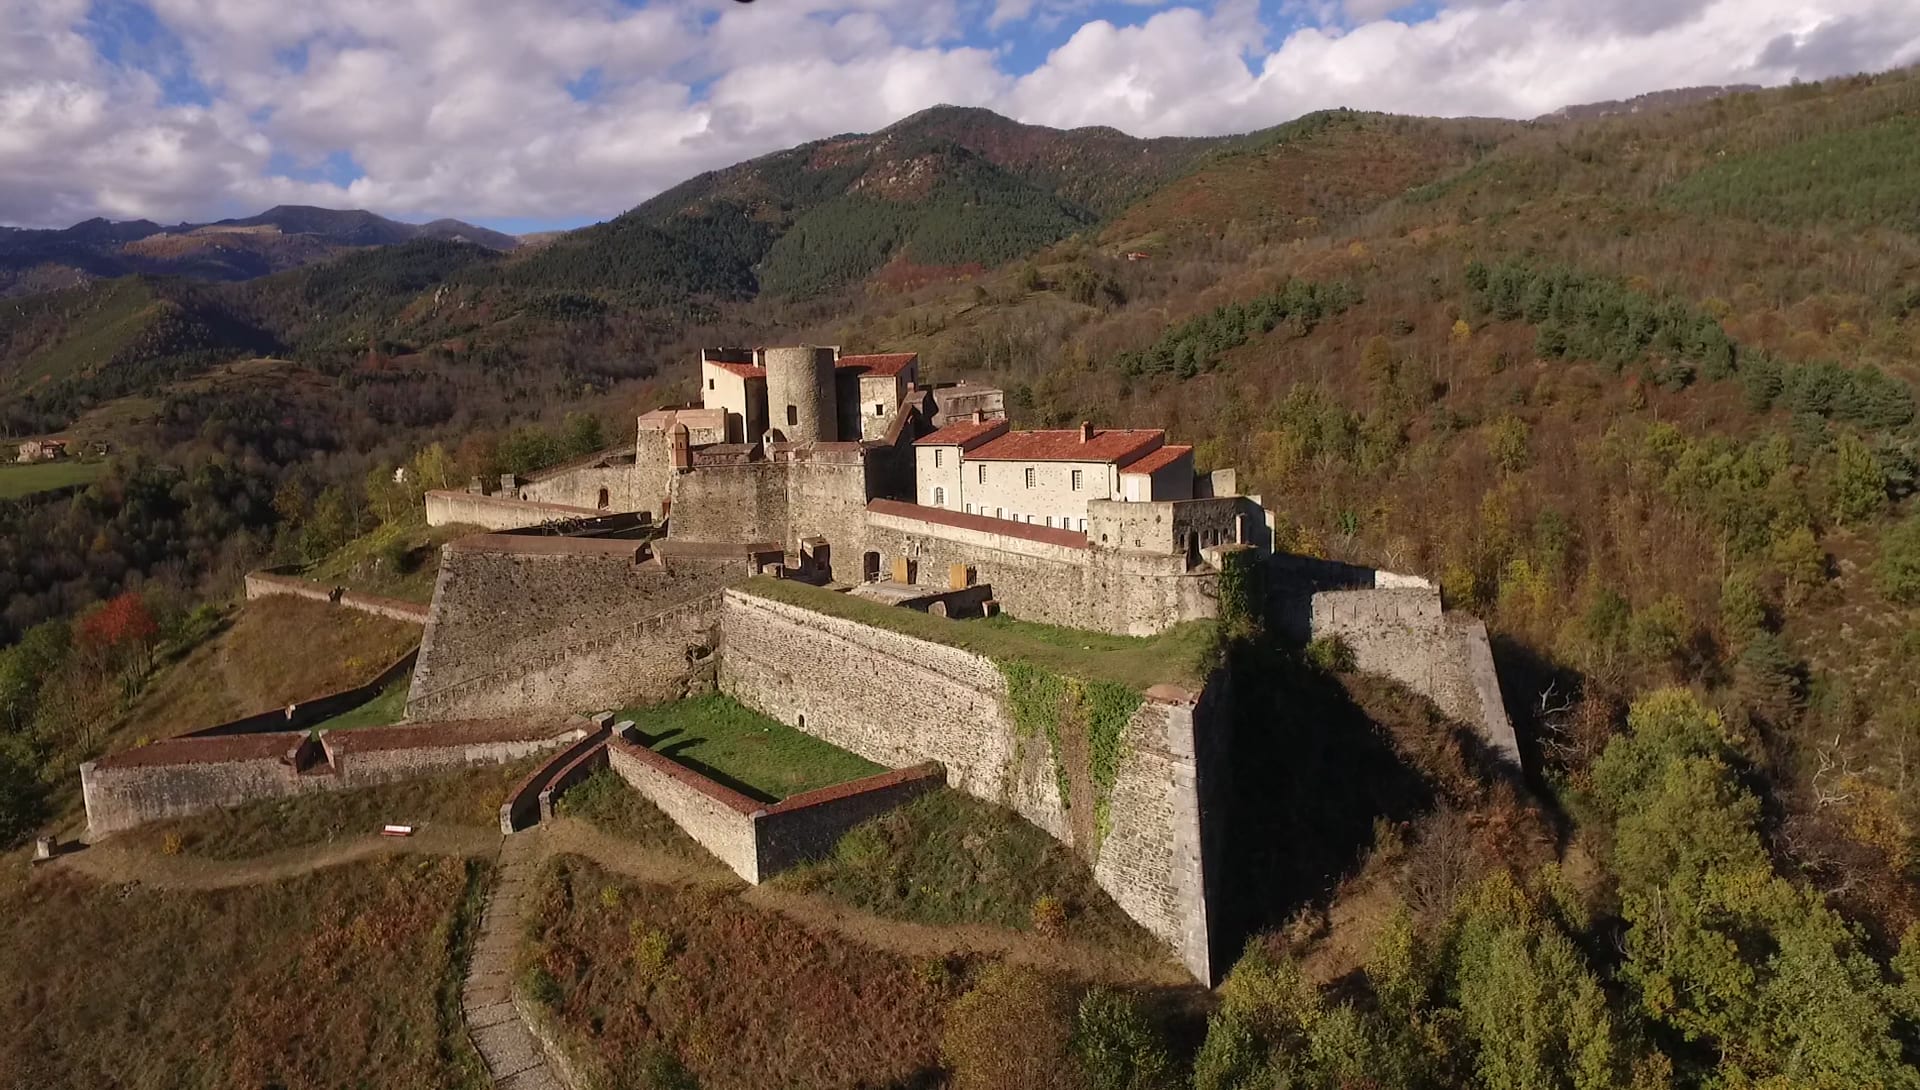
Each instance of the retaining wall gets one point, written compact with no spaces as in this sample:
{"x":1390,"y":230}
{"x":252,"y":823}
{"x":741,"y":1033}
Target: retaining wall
{"x":309,"y":712}
{"x":758,"y":840}
{"x":531,"y":800}
{"x":185,"y":776}
{"x":269,"y":582}
{"x":498,"y":512}
{"x":898,"y":700}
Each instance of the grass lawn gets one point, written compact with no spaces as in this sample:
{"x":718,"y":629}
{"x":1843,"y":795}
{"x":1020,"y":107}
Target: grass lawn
{"x":24,"y":480}
{"x":471,"y":797}
{"x":949,"y":858}
{"x":718,"y":737}
{"x":383,"y":710}
{"x":345,"y":978}
{"x":1181,"y":655}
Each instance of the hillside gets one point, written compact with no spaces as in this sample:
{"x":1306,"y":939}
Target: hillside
{"x":283,"y":237}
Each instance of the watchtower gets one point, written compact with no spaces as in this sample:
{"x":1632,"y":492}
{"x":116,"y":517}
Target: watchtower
{"x":800,"y":395}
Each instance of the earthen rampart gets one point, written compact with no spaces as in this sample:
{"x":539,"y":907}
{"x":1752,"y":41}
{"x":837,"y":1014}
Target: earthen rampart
{"x":269,"y":582}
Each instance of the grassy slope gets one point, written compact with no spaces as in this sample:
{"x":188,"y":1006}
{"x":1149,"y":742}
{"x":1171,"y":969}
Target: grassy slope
{"x":362,"y":563}
{"x":24,"y":480}
{"x":605,"y":800}
{"x":744,"y":998}
{"x":71,"y":332}
{"x":949,"y":858}
{"x":1178,"y":656}
{"x":744,"y":749}
{"x":338,"y":979}
{"x":273,"y":652}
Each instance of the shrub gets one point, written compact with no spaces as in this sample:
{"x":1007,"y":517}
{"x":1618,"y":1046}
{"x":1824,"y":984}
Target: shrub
{"x":1011,"y":1029}
{"x":1898,"y":569}
{"x":1116,"y":1046}
{"x":1857,"y":488}
{"x":173,"y":844}
{"x":1332,"y":653}
{"x":1049,"y":915}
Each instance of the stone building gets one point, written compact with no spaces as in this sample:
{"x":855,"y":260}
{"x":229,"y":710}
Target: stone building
{"x":1046,"y":478}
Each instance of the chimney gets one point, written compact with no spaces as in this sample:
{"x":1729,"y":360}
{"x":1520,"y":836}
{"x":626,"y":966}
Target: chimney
{"x":1086,"y":432}
{"x":979,"y":417}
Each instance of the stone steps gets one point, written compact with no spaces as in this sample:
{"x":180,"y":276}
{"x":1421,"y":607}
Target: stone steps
{"x":513,"y":1057}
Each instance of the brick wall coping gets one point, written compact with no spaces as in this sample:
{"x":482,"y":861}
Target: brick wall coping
{"x":546,"y":545}
{"x":451,"y":733}
{"x":718,"y":792}
{"x":514,"y":501}
{"x":879,"y":781}
{"x":680,"y":548}
{"x":190,"y":751}
{"x":985,"y":524}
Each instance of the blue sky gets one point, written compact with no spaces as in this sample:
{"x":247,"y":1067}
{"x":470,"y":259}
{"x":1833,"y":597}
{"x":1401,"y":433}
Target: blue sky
{"x":535,"y":114}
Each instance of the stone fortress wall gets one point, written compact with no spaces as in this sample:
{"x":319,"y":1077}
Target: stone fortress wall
{"x":898,"y":700}
{"x":523,"y":622}
{"x":276,"y":581}
{"x":497,"y":512}
{"x":191,"y":775}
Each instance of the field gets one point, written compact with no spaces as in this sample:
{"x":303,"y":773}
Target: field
{"x":1180,"y":655}
{"x":745,"y":750}
{"x":25,"y":480}
{"x":344,"y":978}
{"x":469,"y":799}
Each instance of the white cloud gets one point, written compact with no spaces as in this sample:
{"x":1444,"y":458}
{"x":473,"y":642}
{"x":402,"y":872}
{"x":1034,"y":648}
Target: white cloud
{"x":463,"y":107}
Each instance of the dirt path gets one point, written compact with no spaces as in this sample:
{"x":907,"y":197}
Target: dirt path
{"x":112,"y":863}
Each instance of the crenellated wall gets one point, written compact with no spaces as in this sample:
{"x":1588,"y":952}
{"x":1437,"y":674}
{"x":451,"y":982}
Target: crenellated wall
{"x":898,"y":700}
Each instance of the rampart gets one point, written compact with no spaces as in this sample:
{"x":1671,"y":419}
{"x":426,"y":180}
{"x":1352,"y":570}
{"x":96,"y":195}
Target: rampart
{"x":307,"y":713}
{"x":898,"y":700}
{"x":498,"y":512}
{"x":757,"y":840}
{"x":185,"y":776}
{"x":1403,"y":633}
{"x":271,"y":581}
{"x":553,"y":623}
{"x":602,"y":481}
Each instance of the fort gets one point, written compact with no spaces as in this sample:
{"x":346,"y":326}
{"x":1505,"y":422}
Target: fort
{"x":823,"y":538}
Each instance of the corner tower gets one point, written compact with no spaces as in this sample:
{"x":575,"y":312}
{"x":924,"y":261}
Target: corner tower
{"x":800,"y":395}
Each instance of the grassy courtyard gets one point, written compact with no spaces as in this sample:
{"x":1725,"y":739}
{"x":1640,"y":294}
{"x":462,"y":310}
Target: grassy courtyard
{"x":737,"y":746}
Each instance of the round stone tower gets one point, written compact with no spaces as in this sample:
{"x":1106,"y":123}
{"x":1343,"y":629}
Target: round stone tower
{"x":800,"y":397}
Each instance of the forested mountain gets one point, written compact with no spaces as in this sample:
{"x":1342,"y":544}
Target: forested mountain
{"x":232,"y":249}
{"x":1637,"y":389}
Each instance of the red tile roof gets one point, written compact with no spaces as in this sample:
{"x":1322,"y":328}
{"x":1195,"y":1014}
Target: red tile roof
{"x":940,"y":516}
{"x":744,"y":370}
{"x":891,"y":363}
{"x":1157,"y":460}
{"x":1116,"y":445}
{"x":964,"y":434}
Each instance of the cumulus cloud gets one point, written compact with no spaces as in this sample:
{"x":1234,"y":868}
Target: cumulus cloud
{"x":569,"y":110}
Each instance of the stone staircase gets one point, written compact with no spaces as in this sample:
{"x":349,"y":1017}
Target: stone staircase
{"x":513,"y":1056}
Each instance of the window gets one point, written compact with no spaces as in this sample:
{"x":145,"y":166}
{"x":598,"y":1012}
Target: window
{"x":999,"y":512}
{"x":969,"y":509}
{"x":1029,"y":520}
{"x":879,"y":410}
{"x":1029,"y":481}
{"x":793,"y":415}
{"x":939,"y":497}
{"x":1076,"y":480}
{"x":1049,"y":522}
{"x":937,"y":455}
{"x":1083,"y":524}
{"x":710,"y":384}
{"x":982,"y":475}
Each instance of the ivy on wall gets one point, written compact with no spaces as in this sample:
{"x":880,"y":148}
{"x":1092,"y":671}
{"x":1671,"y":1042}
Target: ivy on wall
{"x":1069,"y":711}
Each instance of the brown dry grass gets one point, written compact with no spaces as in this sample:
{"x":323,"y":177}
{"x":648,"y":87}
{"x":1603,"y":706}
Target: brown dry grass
{"x":275,"y":651}
{"x":336,"y":979}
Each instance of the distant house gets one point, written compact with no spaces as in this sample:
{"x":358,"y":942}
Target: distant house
{"x":42,"y":450}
